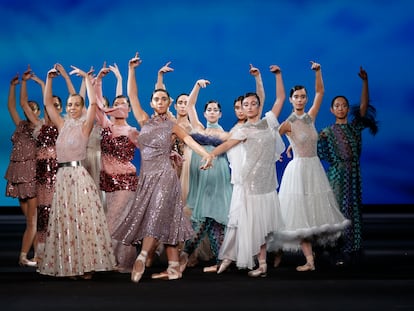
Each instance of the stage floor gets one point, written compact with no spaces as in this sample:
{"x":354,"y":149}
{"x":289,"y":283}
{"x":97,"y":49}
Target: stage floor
{"x":383,"y":281}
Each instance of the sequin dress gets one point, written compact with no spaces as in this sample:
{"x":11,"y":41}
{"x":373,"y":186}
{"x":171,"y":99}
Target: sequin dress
{"x":78,"y":239}
{"x":118,"y":179}
{"x":255,"y":210}
{"x":46,"y":169}
{"x":21,"y":172}
{"x":308,"y":204}
{"x":340,"y":145}
{"x":156,"y":210}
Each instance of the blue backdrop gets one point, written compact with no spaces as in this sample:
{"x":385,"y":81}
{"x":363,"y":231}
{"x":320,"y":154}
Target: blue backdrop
{"x":217,"y":40}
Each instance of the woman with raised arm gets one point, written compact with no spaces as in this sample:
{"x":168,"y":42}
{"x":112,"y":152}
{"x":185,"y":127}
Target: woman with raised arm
{"x":21,"y":171}
{"x":255,"y":216}
{"x":118,"y":175}
{"x":340,"y":146}
{"x":210,"y":191}
{"x":156,"y":212}
{"x":78,"y":242}
{"x":309,"y":208}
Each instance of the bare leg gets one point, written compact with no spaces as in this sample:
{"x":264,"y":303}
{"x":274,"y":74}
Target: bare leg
{"x":307,"y":251}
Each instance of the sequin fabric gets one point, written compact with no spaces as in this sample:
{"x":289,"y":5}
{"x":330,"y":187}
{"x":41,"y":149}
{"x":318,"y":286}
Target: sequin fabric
{"x":157,"y":208}
{"x":46,"y":169}
{"x":21,"y":171}
{"x":118,"y":172}
{"x":340,"y":146}
{"x":255,"y":209}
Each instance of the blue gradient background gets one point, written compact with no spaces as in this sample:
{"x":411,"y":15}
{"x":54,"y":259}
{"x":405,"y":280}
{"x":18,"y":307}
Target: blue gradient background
{"x":217,"y":40}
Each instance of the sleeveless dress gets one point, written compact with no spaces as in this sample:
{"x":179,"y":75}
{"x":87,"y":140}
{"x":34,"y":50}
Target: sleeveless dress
{"x":157,"y":209}
{"x":78,"y":239}
{"x":118,"y":179}
{"x":308,"y":204}
{"x":21,"y":172}
{"x":209,"y":196}
{"x":46,"y":169}
{"x":255,"y":209}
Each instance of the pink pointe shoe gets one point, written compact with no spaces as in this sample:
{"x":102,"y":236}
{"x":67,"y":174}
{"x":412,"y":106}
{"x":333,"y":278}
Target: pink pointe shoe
{"x":138,"y":269}
{"x":224,"y":265}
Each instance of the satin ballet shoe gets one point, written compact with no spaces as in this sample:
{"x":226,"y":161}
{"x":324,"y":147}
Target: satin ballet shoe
{"x":138,"y":270}
{"x":210,"y":269}
{"x":261,"y":271}
{"x":170,"y":274}
{"x":309,"y":266}
{"x":23,"y":261}
{"x":183,"y":261}
{"x":224,"y":265}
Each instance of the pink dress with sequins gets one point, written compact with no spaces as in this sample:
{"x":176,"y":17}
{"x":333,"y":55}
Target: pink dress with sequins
{"x":118,"y":179}
{"x":21,"y":172}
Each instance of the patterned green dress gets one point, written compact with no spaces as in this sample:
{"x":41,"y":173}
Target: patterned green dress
{"x":340,"y":146}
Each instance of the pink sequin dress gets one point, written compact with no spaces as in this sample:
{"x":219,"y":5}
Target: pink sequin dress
{"x":78,"y":239}
{"x":21,"y":172}
{"x":118,"y":179}
{"x":46,"y":169}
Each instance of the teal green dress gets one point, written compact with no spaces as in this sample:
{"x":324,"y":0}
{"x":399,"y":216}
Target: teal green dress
{"x":209,"y":196}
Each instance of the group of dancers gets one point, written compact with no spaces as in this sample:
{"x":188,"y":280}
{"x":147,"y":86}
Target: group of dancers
{"x":88,"y":210}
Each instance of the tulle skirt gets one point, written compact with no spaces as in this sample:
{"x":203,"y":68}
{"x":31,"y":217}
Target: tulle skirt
{"x":308,"y":204}
{"x":78,"y":239}
{"x":254,"y":219}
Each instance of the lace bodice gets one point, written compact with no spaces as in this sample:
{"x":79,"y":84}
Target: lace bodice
{"x":303,"y":136}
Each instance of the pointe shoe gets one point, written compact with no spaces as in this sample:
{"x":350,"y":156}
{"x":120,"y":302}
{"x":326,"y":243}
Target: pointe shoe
{"x":224,"y":265}
{"x":138,"y":269}
{"x":210,"y":269}
{"x":23,"y":261}
{"x":309,"y":266}
{"x":183,"y":261}
{"x":261,"y":271}
{"x":170,"y":274}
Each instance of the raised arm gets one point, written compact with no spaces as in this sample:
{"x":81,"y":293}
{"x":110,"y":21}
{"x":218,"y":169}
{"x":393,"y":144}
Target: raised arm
{"x":364,"y":93}
{"x":192,"y":99}
{"x":53,"y":113}
{"x":132,"y":89}
{"x":319,"y":90}
{"x":255,"y":72}
{"x":119,"y":88}
{"x":90,"y":91}
{"x":11,"y":101}
{"x":101,"y":117}
{"x":160,"y":76}
{"x":68,"y":81}
{"x":280,"y":90}
{"x":82,"y":89}
{"x":24,"y":100}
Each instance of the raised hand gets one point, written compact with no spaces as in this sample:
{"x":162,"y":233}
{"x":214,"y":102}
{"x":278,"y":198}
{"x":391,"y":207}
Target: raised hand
{"x":254,"y":71}
{"x":315,"y":66}
{"x":135,"y":61}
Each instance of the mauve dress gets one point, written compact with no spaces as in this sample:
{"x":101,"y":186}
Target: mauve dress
{"x":157,"y":209}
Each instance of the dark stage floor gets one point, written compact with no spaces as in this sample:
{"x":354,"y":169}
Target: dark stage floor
{"x":383,"y":281}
